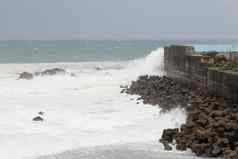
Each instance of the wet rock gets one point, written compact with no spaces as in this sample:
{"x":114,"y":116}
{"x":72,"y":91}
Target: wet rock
{"x":229,"y":154}
{"x":156,"y":90}
{"x":169,"y":135}
{"x":124,"y":86}
{"x":217,"y":113}
{"x":38,"y":118}
{"x":51,"y":72}
{"x":41,"y":113}
{"x":211,"y":127}
{"x":123,"y":91}
{"x":181,"y":145}
{"x":216,"y":151}
{"x":26,"y":75}
{"x":98,"y":68}
{"x":166,"y":145}
{"x":72,"y":74}
{"x":209,"y":130}
{"x":199,"y":149}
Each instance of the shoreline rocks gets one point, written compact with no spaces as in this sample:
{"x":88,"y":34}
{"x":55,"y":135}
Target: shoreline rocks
{"x":41,"y":113}
{"x":168,"y":136}
{"x":47,"y":72}
{"x":50,"y":72}
{"x":38,"y":118}
{"x":156,"y":90}
{"x":26,"y":75}
{"x":211,"y":127}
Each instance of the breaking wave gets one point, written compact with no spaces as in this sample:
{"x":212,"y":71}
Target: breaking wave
{"x":82,"y":111}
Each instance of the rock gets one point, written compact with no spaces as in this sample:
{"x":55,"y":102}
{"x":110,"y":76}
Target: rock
{"x":51,"y":72}
{"x":98,"y":68}
{"x":216,"y":150}
{"x":166,"y":145}
{"x":123,"y":91}
{"x":181,"y":145}
{"x":38,"y":118}
{"x":26,"y":75}
{"x":41,"y":113}
{"x":156,"y":90}
{"x":199,"y":149}
{"x":211,"y":128}
{"x":231,"y":154}
{"x":72,"y":74}
{"x":169,"y":135}
{"x":217,"y":113}
{"x":124,"y":86}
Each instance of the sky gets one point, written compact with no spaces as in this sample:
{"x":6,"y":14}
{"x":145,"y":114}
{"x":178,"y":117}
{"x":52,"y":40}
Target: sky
{"x":118,"y":19}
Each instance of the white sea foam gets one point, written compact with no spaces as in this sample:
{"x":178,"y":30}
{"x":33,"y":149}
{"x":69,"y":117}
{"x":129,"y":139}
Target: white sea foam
{"x":86,"y":110}
{"x":152,"y":64}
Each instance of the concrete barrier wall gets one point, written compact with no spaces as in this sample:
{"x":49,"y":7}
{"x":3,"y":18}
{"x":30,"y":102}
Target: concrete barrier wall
{"x":182,"y":63}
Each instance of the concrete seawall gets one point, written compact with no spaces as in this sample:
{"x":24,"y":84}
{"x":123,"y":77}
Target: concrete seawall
{"x":184,"y":64}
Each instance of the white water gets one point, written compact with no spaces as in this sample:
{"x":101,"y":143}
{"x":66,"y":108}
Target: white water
{"x":81,"y":112}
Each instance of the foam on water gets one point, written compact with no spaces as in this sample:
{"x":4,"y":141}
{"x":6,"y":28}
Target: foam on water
{"x":84,"y":111}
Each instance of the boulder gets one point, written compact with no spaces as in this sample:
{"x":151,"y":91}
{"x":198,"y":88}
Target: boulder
{"x":169,"y":135}
{"x":72,"y":74}
{"x":51,"y":72}
{"x":211,"y":127}
{"x":200,"y":149}
{"x":166,"y":145}
{"x":156,"y":90}
{"x":229,"y":154}
{"x":41,"y":113}
{"x":98,"y":68}
{"x":26,"y":75}
{"x":38,"y":118}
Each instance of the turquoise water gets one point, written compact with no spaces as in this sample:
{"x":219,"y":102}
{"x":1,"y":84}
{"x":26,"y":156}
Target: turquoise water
{"x":73,"y":51}
{"x":92,"y":50}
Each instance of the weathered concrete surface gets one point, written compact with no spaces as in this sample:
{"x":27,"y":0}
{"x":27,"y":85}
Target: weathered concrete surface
{"x":184,"y":64}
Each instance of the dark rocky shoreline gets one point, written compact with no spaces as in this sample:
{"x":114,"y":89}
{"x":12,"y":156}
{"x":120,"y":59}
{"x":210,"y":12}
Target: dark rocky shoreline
{"x":211,"y":128}
{"x":160,"y":90}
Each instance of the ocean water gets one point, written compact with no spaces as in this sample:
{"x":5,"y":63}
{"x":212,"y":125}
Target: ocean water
{"x":37,"y":51}
{"x":85,"y":116}
{"x":73,"y":50}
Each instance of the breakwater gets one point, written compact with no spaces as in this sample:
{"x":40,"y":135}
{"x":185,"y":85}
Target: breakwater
{"x":205,"y":86}
{"x":183,"y":63}
{"x":197,"y":82}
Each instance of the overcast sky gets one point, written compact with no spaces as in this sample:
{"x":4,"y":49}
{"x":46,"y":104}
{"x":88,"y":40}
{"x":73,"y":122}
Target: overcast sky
{"x":118,"y":19}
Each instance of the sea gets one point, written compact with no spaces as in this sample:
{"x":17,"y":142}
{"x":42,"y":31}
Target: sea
{"x":85,"y":115}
